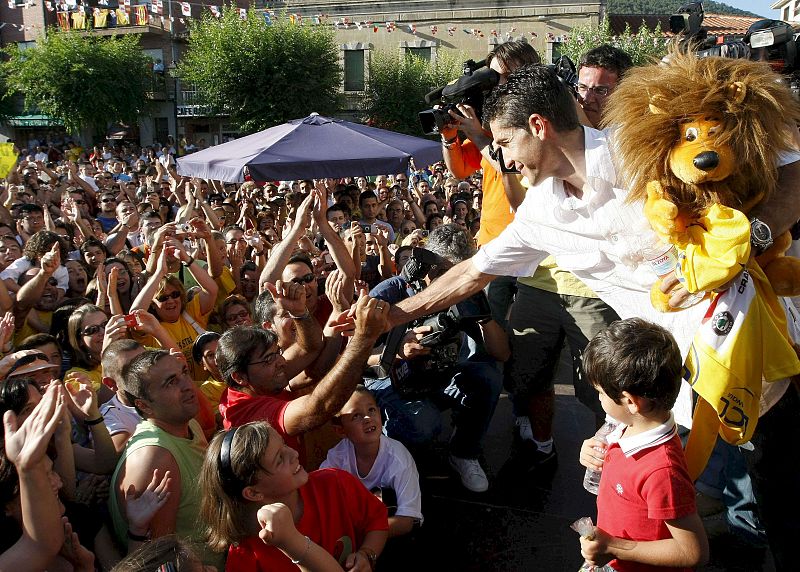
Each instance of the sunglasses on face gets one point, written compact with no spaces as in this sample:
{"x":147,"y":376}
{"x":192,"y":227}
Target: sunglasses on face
{"x":92,"y":330}
{"x":307,"y":279}
{"x":79,"y":202}
{"x":108,"y":200}
{"x":164,"y":297}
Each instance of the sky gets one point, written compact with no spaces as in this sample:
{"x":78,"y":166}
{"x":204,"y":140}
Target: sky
{"x":760,"y":7}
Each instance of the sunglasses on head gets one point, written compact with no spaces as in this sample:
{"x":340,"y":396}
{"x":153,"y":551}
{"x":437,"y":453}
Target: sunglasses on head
{"x":164,"y":297}
{"x":92,"y":330}
{"x":307,"y":279}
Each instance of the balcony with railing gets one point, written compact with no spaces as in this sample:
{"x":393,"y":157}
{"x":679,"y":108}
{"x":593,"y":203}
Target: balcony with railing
{"x":108,"y":21}
{"x":190,"y":104}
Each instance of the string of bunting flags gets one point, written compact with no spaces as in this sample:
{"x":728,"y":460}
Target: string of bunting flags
{"x":76,"y":14}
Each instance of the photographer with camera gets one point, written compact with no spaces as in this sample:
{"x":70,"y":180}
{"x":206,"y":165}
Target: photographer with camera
{"x":449,"y":362}
{"x":465,"y":158}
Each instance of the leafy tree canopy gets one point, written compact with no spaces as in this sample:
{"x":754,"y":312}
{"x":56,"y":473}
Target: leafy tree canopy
{"x":81,"y":80}
{"x":398,"y":84}
{"x":262,"y":74}
{"x":669,"y":7}
{"x":643,"y":47}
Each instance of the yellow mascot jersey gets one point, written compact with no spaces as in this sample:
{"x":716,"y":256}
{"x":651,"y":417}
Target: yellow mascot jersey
{"x":743,"y":339}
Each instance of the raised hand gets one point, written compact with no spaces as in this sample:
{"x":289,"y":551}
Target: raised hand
{"x":81,"y":398}
{"x":372,"y":316}
{"x":51,"y":259}
{"x":277,"y":524}
{"x":6,"y":331}
{"x":288,"y":296}
{"x":141,"y":507}
{"x":26,"y":444}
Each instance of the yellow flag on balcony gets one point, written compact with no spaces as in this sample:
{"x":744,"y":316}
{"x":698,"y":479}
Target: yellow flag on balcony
{"x":8,"y":158}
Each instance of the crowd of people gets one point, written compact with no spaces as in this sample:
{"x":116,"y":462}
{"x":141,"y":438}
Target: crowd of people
{"x":244,"y":376}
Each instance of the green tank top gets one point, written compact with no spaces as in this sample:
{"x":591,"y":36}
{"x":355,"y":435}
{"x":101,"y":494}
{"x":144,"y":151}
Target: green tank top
{"x":188,"y":454}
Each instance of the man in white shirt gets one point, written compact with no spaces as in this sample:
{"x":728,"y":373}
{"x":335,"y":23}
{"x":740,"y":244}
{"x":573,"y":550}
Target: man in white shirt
{"x":574,"y":212}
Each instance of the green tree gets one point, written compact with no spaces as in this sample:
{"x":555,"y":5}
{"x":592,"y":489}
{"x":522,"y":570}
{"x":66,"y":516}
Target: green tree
{"x":397,"y":86}
{"x":643,"y":47}
{"x":85,"y":81}
{"x":262,"y":74}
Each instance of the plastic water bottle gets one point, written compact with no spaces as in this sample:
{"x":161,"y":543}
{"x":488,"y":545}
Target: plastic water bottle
{"x":663,"y":259}
{"x":591,"y":481}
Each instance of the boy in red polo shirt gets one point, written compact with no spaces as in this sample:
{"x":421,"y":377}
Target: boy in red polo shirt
{"x":646,"y":513}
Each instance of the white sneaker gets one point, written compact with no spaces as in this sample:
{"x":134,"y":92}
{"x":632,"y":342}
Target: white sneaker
{"x":524,"y":428}
{"x":471,"y":473}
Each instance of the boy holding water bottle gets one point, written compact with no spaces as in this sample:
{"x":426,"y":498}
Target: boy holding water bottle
{"x":646,"y":513}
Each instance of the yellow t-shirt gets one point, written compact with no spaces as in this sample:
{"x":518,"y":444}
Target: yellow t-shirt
{"x":95,"y":375}
{"x":184,"y":333}
{"x":550,"y":277}
{"x":44,"y":318}
{"x":213,"y":390}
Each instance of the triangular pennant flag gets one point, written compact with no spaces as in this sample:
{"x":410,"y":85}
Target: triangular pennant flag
{"x":451,"y":30}
{"x":534,"y":34}
{"x":215,"y":11}
{"x":243,"y":13}
{"x":412,"y":28}
{"x":434,"y":29}
{"x":186,"y":8}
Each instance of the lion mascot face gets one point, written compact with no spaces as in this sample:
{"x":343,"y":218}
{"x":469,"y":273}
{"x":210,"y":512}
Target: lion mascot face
{"x":697,"y":158}
{"x":697,"y":132}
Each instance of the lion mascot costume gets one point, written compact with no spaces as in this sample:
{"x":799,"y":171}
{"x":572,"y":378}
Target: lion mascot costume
{"x":698,"y":141}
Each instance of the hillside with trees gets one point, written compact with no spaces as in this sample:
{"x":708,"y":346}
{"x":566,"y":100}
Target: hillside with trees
{"x":669,"y":7}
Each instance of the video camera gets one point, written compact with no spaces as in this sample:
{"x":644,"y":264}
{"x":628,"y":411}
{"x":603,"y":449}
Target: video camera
{"x":427,"y":373}
{"x":771,"y":41}
{"x":468,"y":89}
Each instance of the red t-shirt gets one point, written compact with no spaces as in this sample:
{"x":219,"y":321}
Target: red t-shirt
{"x":238,"y":408}
{"x":338,"y":513}
{"x":638,"y":493}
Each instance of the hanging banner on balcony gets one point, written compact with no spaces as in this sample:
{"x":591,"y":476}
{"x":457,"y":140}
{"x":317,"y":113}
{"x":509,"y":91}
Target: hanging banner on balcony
{"x":186,"y":9}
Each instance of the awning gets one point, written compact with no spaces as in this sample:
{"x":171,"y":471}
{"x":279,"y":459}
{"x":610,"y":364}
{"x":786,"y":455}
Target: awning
{"x":33,"y":121}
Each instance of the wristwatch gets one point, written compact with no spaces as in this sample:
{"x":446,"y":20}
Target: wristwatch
{"x":760,"y":235}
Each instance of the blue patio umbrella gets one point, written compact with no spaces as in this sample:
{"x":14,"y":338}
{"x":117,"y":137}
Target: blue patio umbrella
{"x":316,"y":147}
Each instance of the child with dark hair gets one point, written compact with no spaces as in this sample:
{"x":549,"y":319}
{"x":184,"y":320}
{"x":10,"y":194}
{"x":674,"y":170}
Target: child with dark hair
{"x":381,"y":463}
{"x":646,"y":513}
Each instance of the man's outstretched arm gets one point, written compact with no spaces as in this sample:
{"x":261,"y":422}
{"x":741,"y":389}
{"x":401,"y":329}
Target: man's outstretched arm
{"x":458,"y":283}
